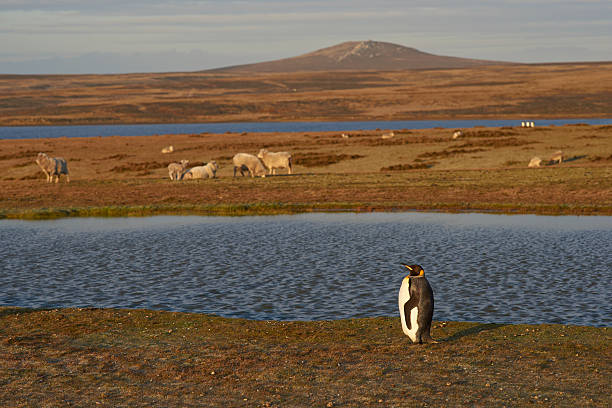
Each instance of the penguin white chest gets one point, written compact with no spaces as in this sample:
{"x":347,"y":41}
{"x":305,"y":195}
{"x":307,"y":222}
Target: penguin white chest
{"x":412,"y":319}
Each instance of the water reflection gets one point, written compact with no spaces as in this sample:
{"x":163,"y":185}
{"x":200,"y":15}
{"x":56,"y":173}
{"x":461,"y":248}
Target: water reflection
{"x":489,"y":268}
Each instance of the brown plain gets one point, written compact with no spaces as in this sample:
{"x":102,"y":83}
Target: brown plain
{"x":525,"y":92}
{"x":417,"y":169}
{"x":486,"y":169}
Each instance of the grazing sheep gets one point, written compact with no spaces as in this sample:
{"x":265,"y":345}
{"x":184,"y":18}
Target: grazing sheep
{"x":176,"y":169}
{"x":557,"y":157}
{"x":457,"y":134}
{"x":248,"y":162}
{"x":202,"y":172}
{"x":52,"y":167}
{"x":168,"y":149}
{"x":273,"y":161}
{"x":388,"y":135}
{"x":535,"y":162}
{"x":345,"y":136}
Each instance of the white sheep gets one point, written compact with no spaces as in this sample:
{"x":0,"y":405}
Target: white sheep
{"x":52,"y":167}
{"x":168,"y":149}
{"x":345,"y":136}
{"x":457,"y":134}
{"x":273,"y":161}
{"x":557,"y":157}
{"x":175,"y":170}
{"x":388,"y":135}
{"x":248,"y":162}
{"x":202,"y":172}
{"x":535,"y":162}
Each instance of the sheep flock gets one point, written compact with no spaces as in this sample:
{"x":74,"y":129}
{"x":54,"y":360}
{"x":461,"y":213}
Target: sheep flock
{"x":260,"y":165}
{"x":256,"y":166}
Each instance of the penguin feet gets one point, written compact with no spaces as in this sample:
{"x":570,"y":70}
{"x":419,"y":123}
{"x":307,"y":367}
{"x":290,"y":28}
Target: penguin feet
{"x":431,"y":341}
{"x":427,"y":339}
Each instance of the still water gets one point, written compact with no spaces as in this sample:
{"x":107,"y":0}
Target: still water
{"x":35,"y":132}
{"x":489,"y":268}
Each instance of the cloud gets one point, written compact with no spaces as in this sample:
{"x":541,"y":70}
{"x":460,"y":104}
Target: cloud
{"x":55,"y":29}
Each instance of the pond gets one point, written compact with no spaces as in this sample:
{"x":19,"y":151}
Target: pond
{"x":487,"y":268}
{"x":35,"y":132}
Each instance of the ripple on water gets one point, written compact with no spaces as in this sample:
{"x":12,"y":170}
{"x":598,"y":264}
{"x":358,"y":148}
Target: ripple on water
{"x":316,"y":266}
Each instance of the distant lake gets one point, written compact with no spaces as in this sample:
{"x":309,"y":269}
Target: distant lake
{"x":35,"y":132}
{"x":486,"y":268}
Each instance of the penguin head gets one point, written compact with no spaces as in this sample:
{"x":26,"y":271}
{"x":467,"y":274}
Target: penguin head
{"x":415,"y":270}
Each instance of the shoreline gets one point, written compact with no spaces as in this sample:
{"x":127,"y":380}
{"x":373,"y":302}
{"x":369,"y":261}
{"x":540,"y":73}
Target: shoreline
{"x":24,"y":310}
{"x":269,"y":209}
{"x":516,"y":119}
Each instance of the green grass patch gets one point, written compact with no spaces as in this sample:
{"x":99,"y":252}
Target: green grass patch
{"x":292,"y":208}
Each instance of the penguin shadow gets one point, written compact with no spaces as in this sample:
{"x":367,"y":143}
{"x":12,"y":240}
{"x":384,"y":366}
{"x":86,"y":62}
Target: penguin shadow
{"x":571,"y":159}
{"x":471,"y":331}
{"x":567,"y":160}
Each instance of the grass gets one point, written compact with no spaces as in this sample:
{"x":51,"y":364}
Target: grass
{"x":552,"y":191}
{"x":286,"y":209}
{"x":513,"y":91}
{"x":112,"y":357}
{"x":486,"y":170}
{"x":145,"y":211}
{"x":129,"y":358}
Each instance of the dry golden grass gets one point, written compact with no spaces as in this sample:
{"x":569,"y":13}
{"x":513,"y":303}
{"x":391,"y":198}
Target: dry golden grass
{"x":507,"y":91}
{"x":417,"y":169}
{"x":144,"y":358}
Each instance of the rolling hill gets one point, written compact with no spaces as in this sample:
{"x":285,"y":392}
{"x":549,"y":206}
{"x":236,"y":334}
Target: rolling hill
{"x":360,"y":56}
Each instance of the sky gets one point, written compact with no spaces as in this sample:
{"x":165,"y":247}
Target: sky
{"x":114,"y":36}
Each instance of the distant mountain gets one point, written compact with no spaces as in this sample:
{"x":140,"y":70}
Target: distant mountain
{"x":360,"y":56}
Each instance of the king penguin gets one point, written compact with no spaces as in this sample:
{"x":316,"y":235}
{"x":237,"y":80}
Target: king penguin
{"x":416,"y":305}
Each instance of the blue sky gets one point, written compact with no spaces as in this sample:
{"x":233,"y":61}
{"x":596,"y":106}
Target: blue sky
{"x":112,"y":36}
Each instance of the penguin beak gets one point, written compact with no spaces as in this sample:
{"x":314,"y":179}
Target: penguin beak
{"x":409,"y":268}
